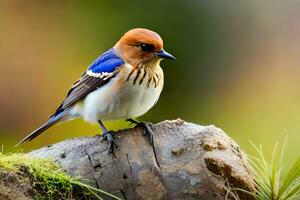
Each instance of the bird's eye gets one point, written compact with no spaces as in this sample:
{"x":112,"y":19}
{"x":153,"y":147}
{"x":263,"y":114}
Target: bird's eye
{"x":147,"y":47}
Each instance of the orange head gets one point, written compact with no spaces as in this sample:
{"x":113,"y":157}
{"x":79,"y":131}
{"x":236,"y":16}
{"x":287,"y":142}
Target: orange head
{"x":141,"y":45}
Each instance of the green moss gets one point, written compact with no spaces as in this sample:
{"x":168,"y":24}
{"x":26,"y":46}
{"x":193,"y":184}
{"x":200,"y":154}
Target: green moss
{"x":47,"y":178}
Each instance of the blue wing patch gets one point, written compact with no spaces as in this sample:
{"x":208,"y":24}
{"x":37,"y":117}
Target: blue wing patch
{"x":107,"y":62}
{"x":97,"y":74}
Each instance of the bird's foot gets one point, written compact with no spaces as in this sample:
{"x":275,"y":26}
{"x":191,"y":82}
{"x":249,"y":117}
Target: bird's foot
{"x":109,"y":137}
{"x":147,"y":126}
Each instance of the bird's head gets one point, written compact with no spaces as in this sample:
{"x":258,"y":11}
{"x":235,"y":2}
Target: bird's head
{"x":141,"y":45}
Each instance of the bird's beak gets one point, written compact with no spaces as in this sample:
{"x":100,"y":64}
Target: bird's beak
{"x":164,"y":54}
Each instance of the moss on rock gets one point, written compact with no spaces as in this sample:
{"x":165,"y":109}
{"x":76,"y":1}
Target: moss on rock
{"x":25,"y":177}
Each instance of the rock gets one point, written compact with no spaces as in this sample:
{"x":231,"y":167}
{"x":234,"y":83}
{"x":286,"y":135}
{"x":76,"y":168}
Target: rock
{"x":187,"y":161}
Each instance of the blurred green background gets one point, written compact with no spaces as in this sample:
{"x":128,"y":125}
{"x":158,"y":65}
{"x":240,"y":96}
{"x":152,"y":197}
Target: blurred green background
{"x":238,"y":64}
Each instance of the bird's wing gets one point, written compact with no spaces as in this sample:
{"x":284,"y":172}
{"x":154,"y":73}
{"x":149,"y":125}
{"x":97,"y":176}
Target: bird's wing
{"x":98,"y":74}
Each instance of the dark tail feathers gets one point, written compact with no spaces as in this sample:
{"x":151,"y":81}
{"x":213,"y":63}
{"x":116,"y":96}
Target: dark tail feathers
{"x":52,"y":121}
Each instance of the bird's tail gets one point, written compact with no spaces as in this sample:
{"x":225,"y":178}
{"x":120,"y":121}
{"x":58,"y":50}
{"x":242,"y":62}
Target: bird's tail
{"x":52,"y":121}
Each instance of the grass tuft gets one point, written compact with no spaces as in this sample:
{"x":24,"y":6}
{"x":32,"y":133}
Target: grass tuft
{"x":271,"y":183}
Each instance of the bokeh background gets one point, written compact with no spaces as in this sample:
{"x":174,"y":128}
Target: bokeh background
{"x":238,"y":64}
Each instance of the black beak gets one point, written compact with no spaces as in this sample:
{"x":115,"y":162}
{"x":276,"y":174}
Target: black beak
{"x":164,"y":54}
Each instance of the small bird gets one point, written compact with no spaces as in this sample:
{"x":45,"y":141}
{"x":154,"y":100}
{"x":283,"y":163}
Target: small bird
{"x":122,"y":83}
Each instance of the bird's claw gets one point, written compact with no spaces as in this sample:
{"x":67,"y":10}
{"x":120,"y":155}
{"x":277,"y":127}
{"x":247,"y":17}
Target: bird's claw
{"x":148,"y":129}
{"x":109,"y":137}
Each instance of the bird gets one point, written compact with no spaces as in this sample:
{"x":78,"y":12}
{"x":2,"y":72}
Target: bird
{"x":123,"y":83}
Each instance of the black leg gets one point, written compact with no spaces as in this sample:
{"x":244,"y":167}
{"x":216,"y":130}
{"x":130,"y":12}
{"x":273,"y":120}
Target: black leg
{"x":109,"y":137}
{"x":147,"y":127}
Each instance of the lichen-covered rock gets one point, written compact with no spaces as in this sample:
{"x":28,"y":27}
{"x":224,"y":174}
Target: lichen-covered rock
{"x":187,"y":161}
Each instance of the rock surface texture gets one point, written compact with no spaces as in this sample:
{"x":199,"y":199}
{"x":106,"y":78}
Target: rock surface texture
{"x":187,"y":161}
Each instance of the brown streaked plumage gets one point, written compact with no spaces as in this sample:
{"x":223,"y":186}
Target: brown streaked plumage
{"x":137,"y":75}
{"x":144,"y":75}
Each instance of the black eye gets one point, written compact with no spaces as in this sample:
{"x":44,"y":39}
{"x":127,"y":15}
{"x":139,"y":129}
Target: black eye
{"x":147,"y":47}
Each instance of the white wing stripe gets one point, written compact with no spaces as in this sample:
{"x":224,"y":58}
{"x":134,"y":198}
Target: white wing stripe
{"x":103,"y":75}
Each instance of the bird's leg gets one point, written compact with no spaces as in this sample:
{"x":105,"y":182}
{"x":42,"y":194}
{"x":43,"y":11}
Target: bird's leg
{"x":145,"y":125}
{"x":109,"y":137}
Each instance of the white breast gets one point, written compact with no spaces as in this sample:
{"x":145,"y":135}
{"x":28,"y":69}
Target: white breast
{"x":132,"y":98}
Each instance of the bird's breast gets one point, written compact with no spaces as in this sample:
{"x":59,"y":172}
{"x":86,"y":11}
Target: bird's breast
{"x":140,"y":89}
{"x":129,"y":94}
